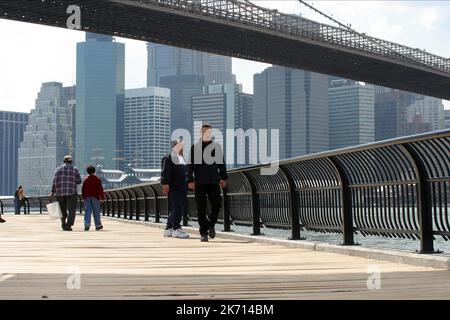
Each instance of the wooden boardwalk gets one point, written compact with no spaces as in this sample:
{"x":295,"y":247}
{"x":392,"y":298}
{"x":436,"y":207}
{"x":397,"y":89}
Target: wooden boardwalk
{"x":129,"y":261}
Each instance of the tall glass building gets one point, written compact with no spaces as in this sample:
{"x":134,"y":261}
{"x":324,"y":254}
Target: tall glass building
{"x":225,"y":107}
{"x":447,"y":118}
{"x":351,"y":108}
{"x":182,"y":89}
{"x":166,"y":61}
{"x":185,"y":72}
{"x":46,"y":139}
{"x":100,"y":94}
{"x":147,"y":127}
{"x":391,"y":114}
{"x":12,"y":128}
{"x":295,"y":102}
{"x":431,"y":111}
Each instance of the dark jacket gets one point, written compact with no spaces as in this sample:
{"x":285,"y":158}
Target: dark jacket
{"x":173,"y":174}
{"x":200,"y":171}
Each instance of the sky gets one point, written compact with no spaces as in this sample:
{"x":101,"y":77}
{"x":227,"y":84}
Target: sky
{"x":32,"y":54}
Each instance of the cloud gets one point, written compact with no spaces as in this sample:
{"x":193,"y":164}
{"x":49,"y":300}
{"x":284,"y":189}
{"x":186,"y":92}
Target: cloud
{"x":429,"y":18}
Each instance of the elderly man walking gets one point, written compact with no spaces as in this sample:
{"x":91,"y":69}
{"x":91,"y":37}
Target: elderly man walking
{"x":65,"y":182}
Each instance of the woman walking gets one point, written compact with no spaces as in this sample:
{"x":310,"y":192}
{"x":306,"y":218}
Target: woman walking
{"x":173,"y":180}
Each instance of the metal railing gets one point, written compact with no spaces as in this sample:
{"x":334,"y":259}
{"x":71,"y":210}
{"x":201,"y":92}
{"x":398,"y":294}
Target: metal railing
{"x":247,"y":13}
{"x":8,"y":202}
{"x":397,"y":188}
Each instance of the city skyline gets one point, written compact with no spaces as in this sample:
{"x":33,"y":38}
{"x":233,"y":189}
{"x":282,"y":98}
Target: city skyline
{"x":414,"y":23}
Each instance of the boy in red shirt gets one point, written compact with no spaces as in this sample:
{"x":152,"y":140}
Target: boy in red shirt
{"x":92,"y":192}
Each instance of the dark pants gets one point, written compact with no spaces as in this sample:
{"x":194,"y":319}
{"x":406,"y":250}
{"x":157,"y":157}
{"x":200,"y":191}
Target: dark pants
{"x":68,"y":206}
{"x":177,"y":201}
{"x":17,"y":205}
{"x":25,"y":207}
{"x":212,"y":192}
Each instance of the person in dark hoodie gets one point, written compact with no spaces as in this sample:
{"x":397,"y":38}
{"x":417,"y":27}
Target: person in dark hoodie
{"x":173,"y":180}
{"x":207,"y":173}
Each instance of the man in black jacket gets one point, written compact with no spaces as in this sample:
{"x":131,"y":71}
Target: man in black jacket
{"x":173,"y":180}
{"x":207,"y":173}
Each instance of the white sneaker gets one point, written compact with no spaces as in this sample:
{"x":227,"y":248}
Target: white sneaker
{"x":179,"y":233}
{"x":168,"y":233}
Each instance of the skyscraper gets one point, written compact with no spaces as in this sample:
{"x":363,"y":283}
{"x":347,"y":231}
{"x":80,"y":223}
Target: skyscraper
{"x":351,"y":111}
{"x":12,"y":128}
{"x":220,"y":70}
{"x":45,"y":140}
{"x":182,"y":89}
{"x":295,"y":102}
{"x":225,"y":107}
{"x":185,"y":72}
{"x":431,"y":111}
{"x":447,"y":119}
{"x":100,"y":95}
{"x":163,"y":61}
{"x":216,"y":106}
{"x":391,"y":114}
{"x":147,"y":126}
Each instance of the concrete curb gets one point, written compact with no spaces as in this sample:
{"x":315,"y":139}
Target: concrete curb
{"x":436,"y":261}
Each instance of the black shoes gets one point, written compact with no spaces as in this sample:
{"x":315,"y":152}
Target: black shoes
{"x":67,"y":228}
{"x":2,"y":220}
{"x":99,"y":228}
{"x":212,"y":233}
{"x":86,"y":228}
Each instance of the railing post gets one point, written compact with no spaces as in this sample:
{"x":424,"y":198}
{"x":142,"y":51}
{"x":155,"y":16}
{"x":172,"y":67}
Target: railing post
{"x":40,"y":205}
{"x":146,"y":208}
{"x":1,"y":208}
{"x":424,"y":204}
{"x":226,"y":212}
{"x":125,"y":204}
{"x":130,"y":207}
{"x":293,"y":207}
{"x":137,"y":205}
{"x":157,"y":213}
{"x":346,"y":198}
{"x":256,"y":212}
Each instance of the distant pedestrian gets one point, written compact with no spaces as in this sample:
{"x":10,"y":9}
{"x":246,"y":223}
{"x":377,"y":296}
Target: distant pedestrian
{"x":173,"y":180}
{"x":23,"y":200}
{"x":17,"y":201}
{"x":93,"y":194}
{"x":1,"y":219}
{"x":207,"y":173}
{"x":64,"y":186}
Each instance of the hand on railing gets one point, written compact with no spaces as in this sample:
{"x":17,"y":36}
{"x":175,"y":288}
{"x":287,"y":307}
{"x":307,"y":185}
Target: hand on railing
{"x":165,"y":189}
